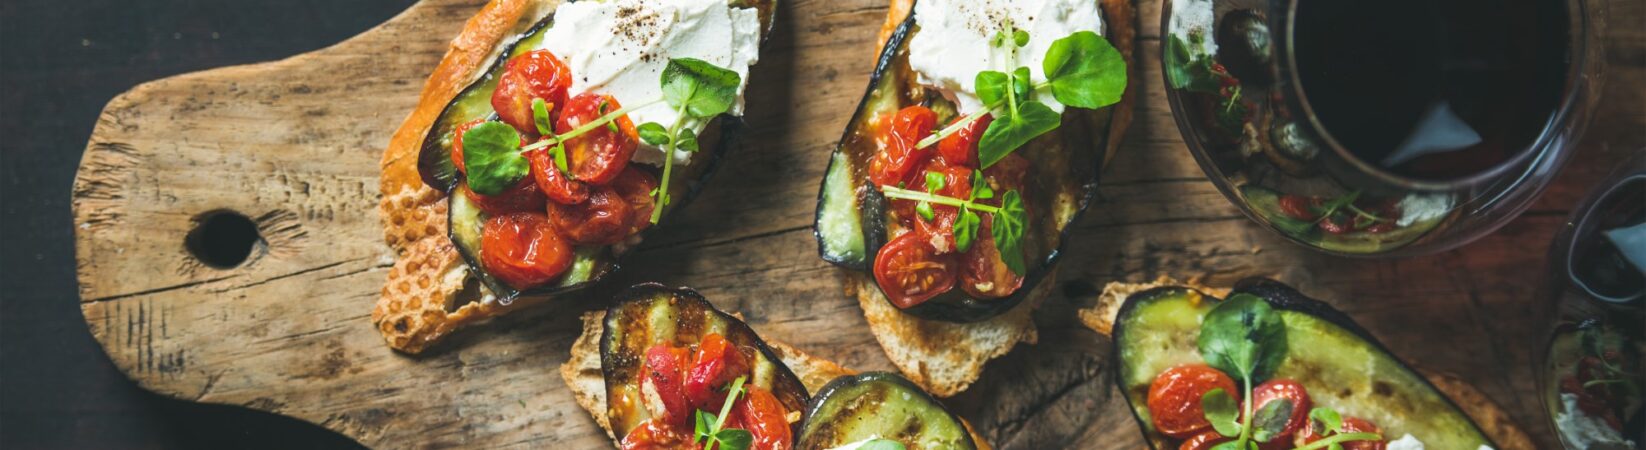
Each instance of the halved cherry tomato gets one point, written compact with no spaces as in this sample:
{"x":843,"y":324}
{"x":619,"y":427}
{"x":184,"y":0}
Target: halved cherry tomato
{"x":984,"y":275}
{"x":635,"y":186}
{"x":602,"y":220}
{"x":521,"y":198}
{"x":957,"y":183}
{"x":718,"y":362}
{"x":532,"y":75}
{"x":596,"y":157}
{"x":1204,"y":441}
{"x":1298,"y":207}
{"x":1174,"y":398}
{"x":666,"y":376}
{"x":909,"y":270}
{"x":554,"y":183}
{"x":896,"y":161}
{"x":1315,"y":431}
{"x":655,"y":435}
{"x":960,"y":148}
{"x":765,"y":418}
{"x":523,"y":250}
{"x":1283,"y":390}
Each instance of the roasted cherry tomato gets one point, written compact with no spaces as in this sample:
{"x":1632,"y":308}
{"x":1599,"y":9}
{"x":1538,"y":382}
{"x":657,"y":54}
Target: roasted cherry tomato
{"x":718,"y":362}
{"x":532,"y":75}
{"x":524,"y":196}
{"x":1315,"y":431}
{"x":635,"y":186}
{"x":602,"y":220}
{"x":960,"y":148}
{"x":666,"y":373}
{"x":759,"y":412}
{"x":910,"y":271}
{"x":554,"y":183}
{"x":596,"y":157}
{"x":1204,"y":441}
{"x":523,"y":250}
{"x":1298,"y":207}
{"x":1174,"y":398}
{"x":957,"y":183}
{"x":898,"y":157}
{"x":984,"y":275}
{"x":1283,"y":390}
{"x":655,"y":435}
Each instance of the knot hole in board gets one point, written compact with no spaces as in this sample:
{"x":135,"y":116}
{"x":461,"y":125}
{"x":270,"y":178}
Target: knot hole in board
{"x":222,"y":239}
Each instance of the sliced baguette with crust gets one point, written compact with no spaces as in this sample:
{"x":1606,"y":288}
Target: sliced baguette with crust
{"x":943,"y":357}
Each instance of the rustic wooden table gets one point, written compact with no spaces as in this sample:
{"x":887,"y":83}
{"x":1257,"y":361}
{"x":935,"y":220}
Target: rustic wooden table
{"x":294,"y":144}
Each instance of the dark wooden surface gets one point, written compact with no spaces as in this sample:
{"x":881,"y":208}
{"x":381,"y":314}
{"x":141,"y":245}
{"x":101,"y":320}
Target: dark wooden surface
{"x":60,"y":62}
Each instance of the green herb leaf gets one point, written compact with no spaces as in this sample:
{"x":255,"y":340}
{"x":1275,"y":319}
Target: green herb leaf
{"x":980,"y":186}
{"x":1085,"y":71}
{"x":1244,"y":338}
{"x":991,"y":86}
{"x":491,"y":153}
{"x":704,"y":421}
{"x":924,"y":209}
{"x":701,"y":89}
{"x":965,"y":229}
{"x":934,"y":181}
{"x":601,"y":109}
{"x":882,"y":444}
{"x":1020,"y":84}
{"x":1235,"y":445}
{"x":1271,"y":420}
{"x":1010,"y":131}
{"x":1328,"y":418}
{"x":1185,"y":70}
{"x":541,"y":118}
{"x":1007,"y":231}
{"x":687,"y":140}
{"x":653,"y":133}
{"x":1221,"y":411}
{"x":1020,"y":37}
{"x":734,"y":439}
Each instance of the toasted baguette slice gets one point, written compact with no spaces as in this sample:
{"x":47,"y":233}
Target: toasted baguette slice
{"x":583,"y":375}
{"x":1487,"y":414}
{"x":945,"y":358}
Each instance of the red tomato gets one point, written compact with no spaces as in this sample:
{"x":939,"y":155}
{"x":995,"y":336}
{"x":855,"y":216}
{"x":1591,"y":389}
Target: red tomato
{"x":896,"y":161}
{"x":635,"y":186}
{"x":1314,"y":432}
{"x":532,"y":75}
{"x":984,"y":274}
{"x":1286,"y":391}
{"x":765,"y":418}
{"x":596,"y":157}
{"x":909,"y":270}
{"x":718,"y":362}
{"x":957,"y":183}
{"x":666,"y":374}
{"x":1174,"y":398}
{"x":554,"y":183}
{"x":1298,"y":207}
{"x":1204,"y":441}
{"x":603,"y":220}
{"x":522,"y":249}
{"x":654,"y":435}
{"x":522,"y":197}
{"x":960,"y":148}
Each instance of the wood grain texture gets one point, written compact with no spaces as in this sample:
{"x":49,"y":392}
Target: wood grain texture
{"x":294,"y":144}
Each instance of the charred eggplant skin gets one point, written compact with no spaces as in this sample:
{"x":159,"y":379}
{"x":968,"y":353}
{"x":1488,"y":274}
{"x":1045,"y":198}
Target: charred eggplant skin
{"x":650,"y":314}
{"x":1082,"y":132}
{"x":1396,"y":401}
{"x":880,"y":405}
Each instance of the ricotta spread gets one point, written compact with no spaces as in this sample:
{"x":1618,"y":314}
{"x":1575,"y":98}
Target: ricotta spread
{"x":1191,"y":17}
{"x":1579,"y":430}
{"x":1417,"y":208}
{"x":1406,"y":442}
{"x":620,"y":47}
{"x":952,"y":44}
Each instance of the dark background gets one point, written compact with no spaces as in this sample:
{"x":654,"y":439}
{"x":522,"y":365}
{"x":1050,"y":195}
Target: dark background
{"x":60,"y":62}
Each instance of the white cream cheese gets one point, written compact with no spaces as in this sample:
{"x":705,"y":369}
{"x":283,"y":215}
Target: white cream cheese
{"x":620,"y":47}
{"x":854,"y":445}
{"x":1190,"y":17}
{"x":1406,"y":442}
{"x":1416,"y":208}
{"x":1579,"y":430}
{"x":952,"y":44}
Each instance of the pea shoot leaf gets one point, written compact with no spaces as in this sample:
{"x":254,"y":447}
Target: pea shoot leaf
{"x":541,"y":118}
{"x":1085,"y":71}
{"x":965,"y":229}
{"x":991,"y":86}
{"x":491,"y":153}
{"x":687,"y":140}
{"x":699,"y":88}
{"x":1222,"y":411}
{"x":1244,"y":338}
{"x":1328,"y":418}
{"x":1007,"y":231}
{"x":980,"y":186}
{"x":1011,"y":130}
{"x":653,"y":133}
{"x":1271,"y":420}
{"x":734,"y":439}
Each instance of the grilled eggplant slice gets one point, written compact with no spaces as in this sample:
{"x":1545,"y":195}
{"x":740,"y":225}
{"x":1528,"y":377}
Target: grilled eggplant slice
{"x":880,"y":405}
{"x":852,"y":221}
{"x":1344,"y":367}
{"x":591,"y":263}
{"x":650,"y":314}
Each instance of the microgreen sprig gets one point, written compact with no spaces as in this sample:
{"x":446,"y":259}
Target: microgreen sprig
{"x":1244,"y":338}
{"x":1334,"y":438}
{"x":1010,"y":218}
{"x":710,"y":428}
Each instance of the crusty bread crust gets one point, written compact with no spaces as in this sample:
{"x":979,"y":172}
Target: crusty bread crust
{"x":945,"y":358}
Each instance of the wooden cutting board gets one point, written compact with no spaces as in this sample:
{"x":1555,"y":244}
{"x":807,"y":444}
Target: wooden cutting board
{"x":293,"y":145}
